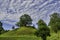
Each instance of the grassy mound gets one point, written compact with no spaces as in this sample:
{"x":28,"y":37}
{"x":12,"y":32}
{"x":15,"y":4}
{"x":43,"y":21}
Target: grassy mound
{"x":25,"y":33}
{"x":19,"y":32}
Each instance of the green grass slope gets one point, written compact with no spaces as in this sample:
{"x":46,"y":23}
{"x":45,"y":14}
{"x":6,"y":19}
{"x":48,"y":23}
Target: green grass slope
{"x":18,"y":32}
{"x":25,"y":33}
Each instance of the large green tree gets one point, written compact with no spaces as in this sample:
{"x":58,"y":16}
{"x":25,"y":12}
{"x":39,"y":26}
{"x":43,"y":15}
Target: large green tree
{"x":1,"y":28}
{"x":43,"y":30}
{"x":55,"y":22}
{"x":25,"y":20}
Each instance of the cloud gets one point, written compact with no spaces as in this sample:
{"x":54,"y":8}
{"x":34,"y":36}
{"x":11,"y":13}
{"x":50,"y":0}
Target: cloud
{"x":2,"y":16}
{"x":11,"y":10}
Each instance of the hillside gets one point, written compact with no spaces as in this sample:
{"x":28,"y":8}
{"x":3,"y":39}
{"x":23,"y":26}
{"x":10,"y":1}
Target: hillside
{"x":19,"y":31}
{"x":25,"y":33}
{"x":22,"y":33}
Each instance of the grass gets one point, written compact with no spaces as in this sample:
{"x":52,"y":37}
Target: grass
{"x":26,"y":34}
{"x":19,"y":38}
{"x":18,"y":32}
{"x":22,"y":33}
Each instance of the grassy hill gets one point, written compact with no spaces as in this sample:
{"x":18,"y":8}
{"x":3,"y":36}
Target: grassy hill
{"x":18,"y":32}
{"x":25,"y":33}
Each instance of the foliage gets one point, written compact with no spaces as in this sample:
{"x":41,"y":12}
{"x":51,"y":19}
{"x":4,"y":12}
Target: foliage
{"x":43,"y":31}
{"x":1,"y":28}
{"x":55,"y":22}
{"x":13,"y":27}
{"x":25,"y":20}
{"x":31,"y":27}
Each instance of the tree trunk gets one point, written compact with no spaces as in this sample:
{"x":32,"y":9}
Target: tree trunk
{"x":0,"y":31}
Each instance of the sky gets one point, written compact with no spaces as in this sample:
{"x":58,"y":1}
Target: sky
{"x":11,"y":10}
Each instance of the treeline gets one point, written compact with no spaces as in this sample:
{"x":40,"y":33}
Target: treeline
{"x":43,"y":30}
{"x":1,"y":28}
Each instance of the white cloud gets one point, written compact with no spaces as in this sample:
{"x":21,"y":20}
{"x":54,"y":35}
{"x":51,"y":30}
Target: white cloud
{"x":2,"y":16}
{"x":25,"y":7}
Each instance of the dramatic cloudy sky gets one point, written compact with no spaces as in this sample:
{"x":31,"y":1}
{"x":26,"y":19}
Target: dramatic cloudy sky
{"x":11,"y":10}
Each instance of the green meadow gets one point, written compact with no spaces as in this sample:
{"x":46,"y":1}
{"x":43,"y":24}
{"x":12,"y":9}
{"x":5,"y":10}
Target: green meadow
{"x":25,"y":33}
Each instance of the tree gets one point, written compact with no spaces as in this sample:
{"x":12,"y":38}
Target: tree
{"x":55,"y":22}
{"x":25,"y":20}
{"x":13,"y":27}
{"x":1,"y":28}
{"x":43,"y":30}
